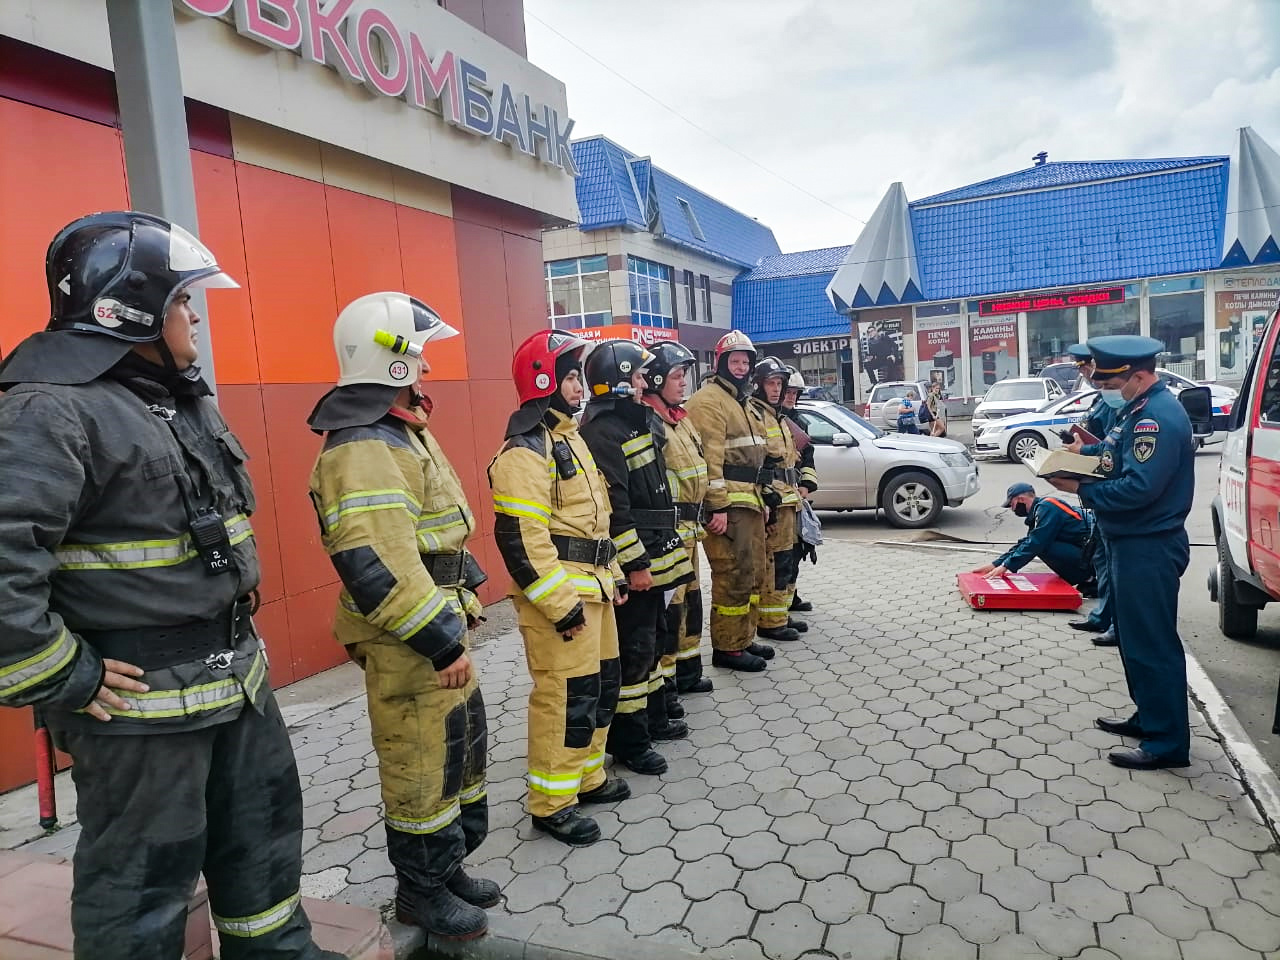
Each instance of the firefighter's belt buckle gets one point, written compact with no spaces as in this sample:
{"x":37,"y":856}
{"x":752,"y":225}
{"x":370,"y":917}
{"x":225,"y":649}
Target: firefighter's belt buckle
{"x":221,"y":660}
{"x":604,"y":553}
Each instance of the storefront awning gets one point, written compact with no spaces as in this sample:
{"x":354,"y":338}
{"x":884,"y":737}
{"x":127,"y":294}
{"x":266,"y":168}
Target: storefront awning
{"x":881,"y":267}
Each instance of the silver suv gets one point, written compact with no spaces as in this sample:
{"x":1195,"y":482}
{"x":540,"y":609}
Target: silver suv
{"x":881,"y":407}
{"x":860,"y":467}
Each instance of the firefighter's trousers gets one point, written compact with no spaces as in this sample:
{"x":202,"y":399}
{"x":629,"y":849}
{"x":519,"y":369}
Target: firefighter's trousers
{"x":737,"y":559}
{"x":157,"y":810}
{"x":431,"y":746}
{"x":638,"y":627}
{"x":686,"y":613}
{"x":778,"y":584}
{"x":574,"y":695}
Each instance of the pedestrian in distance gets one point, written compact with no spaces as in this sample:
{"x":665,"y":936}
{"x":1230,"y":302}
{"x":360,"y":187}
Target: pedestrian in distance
{"x":626,"y":438}
{"x":128,"y":579}
{"x":1147,"y":461}
{"x":551,"y":525}
{"x":907,"y":422}
{"x":395,"y":523}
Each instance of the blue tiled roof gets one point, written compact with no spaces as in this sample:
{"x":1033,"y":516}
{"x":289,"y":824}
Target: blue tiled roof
{"x":1146,"y":226}
{"x":606,"y":197}
{"x":827,"y":260}
{"x":779,"y":307}
{"x":1063,"y":174}
{"x":613,"y":186}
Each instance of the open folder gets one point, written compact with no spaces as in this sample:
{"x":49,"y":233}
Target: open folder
{"x":1062,"y":463}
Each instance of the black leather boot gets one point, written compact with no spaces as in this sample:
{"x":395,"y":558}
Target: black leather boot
{"x":675,"y":711}
{"x":797,"y":625}
{"x":738,"y":660}
{"x":761,"y":650}
{"x":613,"y":790}
{"x":778,"y":634}
{"x":800,"y":605}
{"x":440,"y":913}
{"x":474,"y":890}
{"x":695,"y":685}
{"x":673,"y":730}
{"x":650,"y":762}
{"x":569,"y":826}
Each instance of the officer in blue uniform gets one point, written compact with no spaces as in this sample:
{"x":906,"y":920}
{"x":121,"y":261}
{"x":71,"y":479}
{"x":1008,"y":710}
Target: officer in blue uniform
{"x":1141,"y":508}
{"x":1056,"y":534}
{"x":1098,"y":421}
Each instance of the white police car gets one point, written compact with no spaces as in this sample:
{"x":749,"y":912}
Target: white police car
{"x":1019,"y":436}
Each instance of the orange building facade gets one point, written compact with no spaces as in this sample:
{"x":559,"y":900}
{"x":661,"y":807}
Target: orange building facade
{"x":305,"y":227}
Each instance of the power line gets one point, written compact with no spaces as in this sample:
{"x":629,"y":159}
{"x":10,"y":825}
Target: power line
{"x":701,"y":129}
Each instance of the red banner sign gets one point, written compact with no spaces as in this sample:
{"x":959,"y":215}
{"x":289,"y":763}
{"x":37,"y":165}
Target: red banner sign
{"x":1050,"y":301}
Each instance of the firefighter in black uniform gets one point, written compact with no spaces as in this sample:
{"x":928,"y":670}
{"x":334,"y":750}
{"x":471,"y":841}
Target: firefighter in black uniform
{"x":127,"y":577}
{"x":626,"y":439}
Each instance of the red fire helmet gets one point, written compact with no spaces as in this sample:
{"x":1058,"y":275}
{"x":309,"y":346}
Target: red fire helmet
{"x":533,"y":368}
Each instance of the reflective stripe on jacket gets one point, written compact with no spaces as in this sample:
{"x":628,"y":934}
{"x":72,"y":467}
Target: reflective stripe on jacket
{"x":733,"y":434}
{"x":386,"y":495}
{"x":532,"y":502}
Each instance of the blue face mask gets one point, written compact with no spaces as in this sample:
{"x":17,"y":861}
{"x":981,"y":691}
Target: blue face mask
{"x":1113,"y":398}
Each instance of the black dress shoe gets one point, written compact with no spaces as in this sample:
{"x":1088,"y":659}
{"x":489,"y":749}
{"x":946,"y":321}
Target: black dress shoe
{"x":1139,"y":759}
{"x":474,"y":890}
{"x":761,"y":650}
{"x":673,"y":730}
{"x":798,"y":625}
{"x":700,"y":685}
{"x":778,"y":634}
{"x":1108,"y":639}
{"x":650,"y":762}
{"x":569,"y":826}
{"x":1089,"y":589}
{"x":799,"y":605}
{"x":1088,"y":626}
{"x":613,"y":790}
{"x":738,"y":660}
{"x":1123,"y":728}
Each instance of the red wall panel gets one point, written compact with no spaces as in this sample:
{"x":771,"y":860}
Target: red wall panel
{"x":364,"y":245}
{"x":53,"y":169}
{"x":290,"y":270}
{"x":429,"y":258}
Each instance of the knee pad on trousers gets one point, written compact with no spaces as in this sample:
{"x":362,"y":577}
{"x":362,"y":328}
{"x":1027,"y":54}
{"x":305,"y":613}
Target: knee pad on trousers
{"x":478,"y":745}
{"x":669,"y":635}
{"x":582,"y":701}
{"x":610,"y":687}
{"x":693,"y":613}
{"x":455,"y":750}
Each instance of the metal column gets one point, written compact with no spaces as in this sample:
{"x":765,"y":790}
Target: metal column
{"x":157,"y":151}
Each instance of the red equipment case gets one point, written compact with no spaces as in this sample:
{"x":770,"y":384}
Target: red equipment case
{"x":1018,"y":591}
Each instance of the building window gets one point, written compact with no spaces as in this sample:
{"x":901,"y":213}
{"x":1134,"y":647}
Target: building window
{"x":706,"y":298}
{"x":1116,"y":318}
{"x":1049,"y":333}
{"x":691,"y":298}
{"x":692,"y":218}
{"x":650,"y":285}
{"x":578,"y":293}
{"x":1177,"y":321}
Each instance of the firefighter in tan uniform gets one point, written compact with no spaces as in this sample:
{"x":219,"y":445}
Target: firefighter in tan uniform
{"x":808,"y":478}
{"x":782,"y":459}
{"x":552,"y":528}
{"x":395,"y":522}
{"x":687,"y":477}
{"x":733,"y":443}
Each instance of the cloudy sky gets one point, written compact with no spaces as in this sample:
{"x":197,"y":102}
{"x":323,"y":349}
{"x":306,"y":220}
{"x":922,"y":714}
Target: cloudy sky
{"x":843,"y":97}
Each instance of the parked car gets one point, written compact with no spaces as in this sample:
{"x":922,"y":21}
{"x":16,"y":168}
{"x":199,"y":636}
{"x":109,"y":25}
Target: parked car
{"x":1016,"y":395}
{"x":1223,"y":397}
{"x":1019,"y":436}
{"x":881,"y":407}
{"x":860,"y":467}
{"x":1063,"y":374}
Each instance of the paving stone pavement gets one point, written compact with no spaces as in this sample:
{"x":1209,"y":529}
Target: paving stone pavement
{"x":912,"y":779}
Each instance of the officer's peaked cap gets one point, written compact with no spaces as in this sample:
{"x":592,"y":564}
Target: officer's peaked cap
{"x":1079,"y":352}
{"x":1115,"y":355}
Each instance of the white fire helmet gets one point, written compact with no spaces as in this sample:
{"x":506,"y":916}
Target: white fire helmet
{"x":378,"y":338}
{"x":795,"y":381}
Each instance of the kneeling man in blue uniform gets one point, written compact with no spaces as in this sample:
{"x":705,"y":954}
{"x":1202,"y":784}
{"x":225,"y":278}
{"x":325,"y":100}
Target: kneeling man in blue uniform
{"x":1147,"y":458}
{"x":1057,"y":534}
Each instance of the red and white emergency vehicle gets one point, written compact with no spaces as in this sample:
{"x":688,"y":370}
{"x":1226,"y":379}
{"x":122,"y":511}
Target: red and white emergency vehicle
{"x":1246,"y":512}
